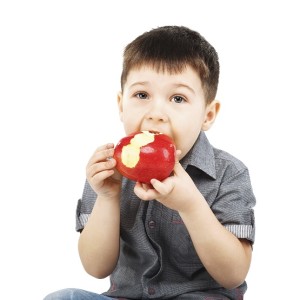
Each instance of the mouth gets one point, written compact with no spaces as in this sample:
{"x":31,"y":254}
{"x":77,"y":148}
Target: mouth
{"x":154,"y":131}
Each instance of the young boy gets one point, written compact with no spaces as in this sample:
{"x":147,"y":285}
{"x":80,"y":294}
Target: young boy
{"x":189,"y":236}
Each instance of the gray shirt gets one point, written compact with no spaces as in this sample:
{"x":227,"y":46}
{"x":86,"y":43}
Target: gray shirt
{"x":157,"y":257}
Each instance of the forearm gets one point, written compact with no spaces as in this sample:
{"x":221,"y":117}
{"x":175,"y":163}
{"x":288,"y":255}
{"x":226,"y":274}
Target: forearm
{"x":99,"y":241}
{"x":225,"y":257}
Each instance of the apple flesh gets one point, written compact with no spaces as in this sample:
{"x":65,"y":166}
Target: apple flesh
{"x":145,"y":155}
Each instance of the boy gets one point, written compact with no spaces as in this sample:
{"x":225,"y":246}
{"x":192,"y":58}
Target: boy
{"x":189,"y":236}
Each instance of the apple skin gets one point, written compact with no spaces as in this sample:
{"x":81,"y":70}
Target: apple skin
{"x":156,"y":159}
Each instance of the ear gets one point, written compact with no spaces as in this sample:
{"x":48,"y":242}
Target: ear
{"x":211,"y":113}
{"x":120,"y":105}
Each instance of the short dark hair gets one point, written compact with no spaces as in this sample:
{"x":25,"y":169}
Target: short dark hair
{"x":171,"y":49}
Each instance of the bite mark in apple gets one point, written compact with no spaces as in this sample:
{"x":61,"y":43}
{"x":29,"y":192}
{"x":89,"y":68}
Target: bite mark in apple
{"x":131,"y":153}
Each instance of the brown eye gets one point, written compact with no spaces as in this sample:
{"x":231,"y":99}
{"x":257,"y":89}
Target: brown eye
{"x":178,"y":99}
{"x":142,"y":96}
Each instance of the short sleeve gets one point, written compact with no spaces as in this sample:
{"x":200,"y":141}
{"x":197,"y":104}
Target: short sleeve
{"x":234,"y":204}
{"x":85,"y":206}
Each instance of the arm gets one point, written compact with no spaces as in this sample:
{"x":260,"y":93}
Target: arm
{"x":225,"y":257}
{"x":99,"y":241}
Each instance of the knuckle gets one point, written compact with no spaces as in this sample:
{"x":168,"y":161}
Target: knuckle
{"x":109,"y":152}
{"x":108,"y":163}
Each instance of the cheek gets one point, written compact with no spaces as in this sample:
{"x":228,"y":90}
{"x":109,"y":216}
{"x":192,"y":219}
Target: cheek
{"x":130,"y":123}
{"x":132,"y":118}
{"x":185,"y":138}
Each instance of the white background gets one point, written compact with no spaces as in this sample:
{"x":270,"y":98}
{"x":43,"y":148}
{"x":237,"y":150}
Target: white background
{"x":60,"y":64}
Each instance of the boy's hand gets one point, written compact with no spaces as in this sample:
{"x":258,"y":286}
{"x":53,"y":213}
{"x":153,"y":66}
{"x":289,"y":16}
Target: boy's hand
{"x":173,"y":192}
{"x":100,"y":172}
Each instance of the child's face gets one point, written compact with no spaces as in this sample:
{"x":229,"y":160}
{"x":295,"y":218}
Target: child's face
{"x":173,"y":104}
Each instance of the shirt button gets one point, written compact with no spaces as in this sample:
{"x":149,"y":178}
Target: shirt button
{"x":151,"y":290}
{"x":151,"y":224}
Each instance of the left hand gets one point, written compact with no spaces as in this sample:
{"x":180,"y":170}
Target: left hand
{"x":173,"y":192}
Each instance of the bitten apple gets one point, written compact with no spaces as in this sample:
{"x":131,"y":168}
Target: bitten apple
{"x":145,"y":155}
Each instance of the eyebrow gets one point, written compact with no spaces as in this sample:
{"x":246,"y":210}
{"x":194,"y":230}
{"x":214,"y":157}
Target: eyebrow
{"x":184,"y":86}
{"x":138,"y":83}
{"x":177,"y":85}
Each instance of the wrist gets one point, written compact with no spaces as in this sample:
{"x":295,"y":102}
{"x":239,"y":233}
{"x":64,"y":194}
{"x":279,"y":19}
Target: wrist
{"x":193,"y":205}
{"x":107,"y":199}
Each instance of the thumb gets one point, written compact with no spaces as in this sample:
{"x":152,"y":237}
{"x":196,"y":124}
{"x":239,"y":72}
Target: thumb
{"x":177,"y":167}
{"x":177,"y":155}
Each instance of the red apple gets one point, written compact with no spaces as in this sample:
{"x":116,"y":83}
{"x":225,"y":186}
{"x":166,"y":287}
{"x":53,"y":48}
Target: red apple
{"x":145,"y":155}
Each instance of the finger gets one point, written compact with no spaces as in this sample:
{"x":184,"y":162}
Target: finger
{"x":101,"y":176}
{"x":105,"y":147}
{"x":147,"y":186}
{"x":165,"y":187}
{"x":102,"y":153}
{"x":178,"y":169}
{"x":96,"y":168}
{"x":177,"y":155}
{"x":148,"y":194}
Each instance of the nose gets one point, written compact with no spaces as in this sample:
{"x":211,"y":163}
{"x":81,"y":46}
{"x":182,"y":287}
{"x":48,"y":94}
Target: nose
{"x":157,"y":113}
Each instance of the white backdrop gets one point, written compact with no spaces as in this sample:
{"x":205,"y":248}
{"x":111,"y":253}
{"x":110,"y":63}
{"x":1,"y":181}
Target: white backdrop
{"x":60,"y":64}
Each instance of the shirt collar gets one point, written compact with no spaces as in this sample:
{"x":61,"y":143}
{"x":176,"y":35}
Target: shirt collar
{"x":201,"y":156}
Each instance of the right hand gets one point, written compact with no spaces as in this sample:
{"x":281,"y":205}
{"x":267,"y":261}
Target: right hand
{"x":101,"y":174}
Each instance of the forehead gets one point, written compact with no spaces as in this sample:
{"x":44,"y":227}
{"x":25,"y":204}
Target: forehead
{"x":145,"y":73}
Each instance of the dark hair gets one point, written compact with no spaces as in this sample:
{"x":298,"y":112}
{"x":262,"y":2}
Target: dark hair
{"x":171,"y":49}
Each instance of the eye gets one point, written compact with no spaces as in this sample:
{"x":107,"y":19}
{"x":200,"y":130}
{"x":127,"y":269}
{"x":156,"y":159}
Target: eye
{"x":178,"y":99}
{"x":141,"y":95}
